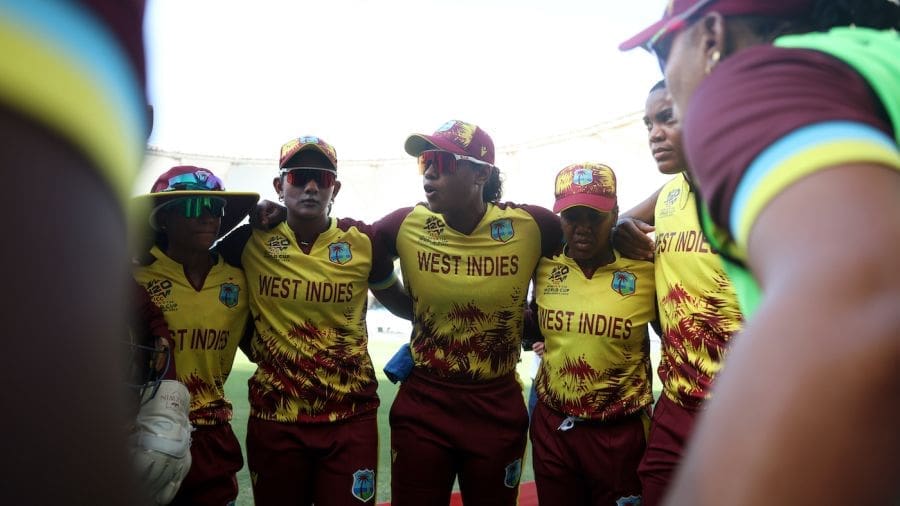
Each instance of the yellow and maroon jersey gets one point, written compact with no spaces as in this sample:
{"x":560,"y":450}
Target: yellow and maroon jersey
{"x":469,"y":290}
{"x":698,"y":308}
{"x":206,"y":326}
{"x":309,"y":311}
{"x":596,"y":362}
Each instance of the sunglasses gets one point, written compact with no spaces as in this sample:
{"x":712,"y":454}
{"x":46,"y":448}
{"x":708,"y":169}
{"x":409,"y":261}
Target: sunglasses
{"x":444,"y":162}
{"x":194,"y":181}
{"x":301,"y":176}
{"x":194,"y":207}
{"x":660,"y":45}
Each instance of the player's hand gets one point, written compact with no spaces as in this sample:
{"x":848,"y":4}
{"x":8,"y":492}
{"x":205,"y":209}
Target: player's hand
{"x":161,"y":441}
{"x":538,"y":348}
{"x":267,"y":214}
{"x":630,"y":237}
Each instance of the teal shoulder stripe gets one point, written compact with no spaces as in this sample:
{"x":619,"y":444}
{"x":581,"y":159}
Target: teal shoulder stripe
{"x":76,"y":33}
{"x":797,"y":141}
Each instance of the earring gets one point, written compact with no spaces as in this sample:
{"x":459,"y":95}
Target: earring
{"x":713,"y":61}
{"x":280,"y":197}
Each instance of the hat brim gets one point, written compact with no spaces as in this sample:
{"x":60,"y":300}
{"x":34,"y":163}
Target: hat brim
{"x":644,"y":36}
{"x":416,"y":143}
{"x":596,"y":202}
{"x":237,"y":207}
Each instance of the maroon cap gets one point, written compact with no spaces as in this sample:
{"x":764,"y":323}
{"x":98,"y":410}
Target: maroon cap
{"x":307,"y":142}
{"x":187,"y":178}
{"x":457,"y":137}
{"x":586,"y":184}
{"x":678,"y":10}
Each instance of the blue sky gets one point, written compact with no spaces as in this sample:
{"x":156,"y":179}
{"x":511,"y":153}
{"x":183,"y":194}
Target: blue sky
{"x":238,"y":78}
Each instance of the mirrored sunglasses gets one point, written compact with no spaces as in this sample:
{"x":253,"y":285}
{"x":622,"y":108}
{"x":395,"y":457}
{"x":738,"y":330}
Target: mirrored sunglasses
{"x":194,"y":207}
{"x":194,"y":181}
{"x":444,"y":162}
{"x":301,"y":176}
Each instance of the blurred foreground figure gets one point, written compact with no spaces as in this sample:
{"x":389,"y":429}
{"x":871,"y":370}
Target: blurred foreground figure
{"x":791,"y":135}
{"x":73,"y":125}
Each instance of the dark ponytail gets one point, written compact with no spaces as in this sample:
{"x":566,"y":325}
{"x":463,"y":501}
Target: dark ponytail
{"x":878,"y":14}
{"x":493,"y":188}
{"x":825,"y":15}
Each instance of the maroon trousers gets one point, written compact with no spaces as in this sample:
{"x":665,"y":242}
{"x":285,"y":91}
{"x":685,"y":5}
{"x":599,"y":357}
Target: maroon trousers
{"x":216,"y":458}
{"x":442,"y":430}
{"x":591,"y":464}
{"x":669,"y":432}
{"x":326,"y":464}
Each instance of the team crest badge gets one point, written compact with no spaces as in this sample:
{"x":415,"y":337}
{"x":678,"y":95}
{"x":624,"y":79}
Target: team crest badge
{"x":228,"y":294}
{"x":624,"y":282}
{"x":339,"y":253}
{"x":632,"y":500}
{"x":363,"y":485}
{"x":582,"y":177}
{"x":502,"y":230}
{"x":513,"y":474}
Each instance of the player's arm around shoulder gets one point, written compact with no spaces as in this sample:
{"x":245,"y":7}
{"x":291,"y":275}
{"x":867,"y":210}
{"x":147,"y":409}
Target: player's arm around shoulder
{"x":630,"y":235}
{"x":829,"y":326}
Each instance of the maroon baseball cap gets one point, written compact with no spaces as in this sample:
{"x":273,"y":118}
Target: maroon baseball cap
{"x":586,"y":184}
{"x":307,"y":142}
{"x":678,"y":11}
{"x":457,"y":137}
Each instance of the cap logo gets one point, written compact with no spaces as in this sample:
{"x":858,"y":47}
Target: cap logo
{"x":458,"y":132}
{"x":583,"y":177}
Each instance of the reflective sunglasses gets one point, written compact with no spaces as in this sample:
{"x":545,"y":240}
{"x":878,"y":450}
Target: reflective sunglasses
{"x":194,"y":207}
{"x":660,"y":45}
{"x":194,"y":181}
{"x":301,"y":176}
{"x":444,"y":162}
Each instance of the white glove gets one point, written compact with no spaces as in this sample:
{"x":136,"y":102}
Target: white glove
{"x":161,"y":442}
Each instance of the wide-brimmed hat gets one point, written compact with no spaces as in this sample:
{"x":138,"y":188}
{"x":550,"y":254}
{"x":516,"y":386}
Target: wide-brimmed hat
{"x":586,"y":184}
{"x":457,"y":137}
{"x":190,"y":181}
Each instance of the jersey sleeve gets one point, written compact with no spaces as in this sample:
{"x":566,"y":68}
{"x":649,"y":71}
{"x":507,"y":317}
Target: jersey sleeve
{"x":551,"y":231}
{"x":67,"y":61}
{"x":785,"y":119}
{"x":386,"y":230}
{"x":381,"y":275}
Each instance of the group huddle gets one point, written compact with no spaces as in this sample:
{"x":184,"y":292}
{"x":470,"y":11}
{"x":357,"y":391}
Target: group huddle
{"x":581,"y":286}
